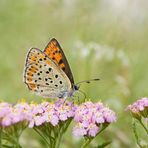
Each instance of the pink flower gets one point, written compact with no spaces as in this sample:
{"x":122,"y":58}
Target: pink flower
{"x":5,"y":108}
{"x":89,"y":116}
{"x":79,"y":130}
{"x":6,"y":121}
{"x":13,"y":114}
{"x":109,"y":115}
{"x":36,"y":111}
{"x":92,"y":129}
{"x":64,"y":109}
{"x":51,"y":116}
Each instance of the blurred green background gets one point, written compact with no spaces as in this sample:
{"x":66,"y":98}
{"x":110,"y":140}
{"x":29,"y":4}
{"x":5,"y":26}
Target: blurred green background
{"x":101,"y":38}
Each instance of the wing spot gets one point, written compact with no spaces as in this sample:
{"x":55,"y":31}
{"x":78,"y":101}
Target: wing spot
{"x":51,"y":81}
{"x":57,"y":51}
{"x":29,"y":79}
{"x":61,"y":61}
{"x":35,"y":81}
{"x":56,"y":76}
{"x":41,"y":90}
{"x":50,"y":69}
{"x":47,"y":72}
{"x":60,"y":82}
{"x":38,"y":74}
{"x":40,"y":78}
{"x":40,"y":71}
{"x":47,"y":83}
{"x":56,"y":85}
{"x":40,"y":59}
{"x":46,"y":79}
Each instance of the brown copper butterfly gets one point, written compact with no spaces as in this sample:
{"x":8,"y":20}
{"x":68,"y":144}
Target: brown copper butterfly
{"x":48,"y":74}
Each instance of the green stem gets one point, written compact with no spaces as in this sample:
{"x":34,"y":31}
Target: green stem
{"x":89,"y":139}
{"x":61,"y":132}
{"x":135,"y":133}
{"x":6,"y":146}
{"x":143,"y":126}
{"x":87,"y":142}
{"x":46,"y":141}
{"x":58,"y":140}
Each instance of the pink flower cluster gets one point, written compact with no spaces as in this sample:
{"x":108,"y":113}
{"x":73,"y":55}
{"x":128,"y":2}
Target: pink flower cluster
{"x":10,"y":115}
{"x":52,"y":113}
{"x":139,"y":108}
{"x":36,"y":114}
{"x":90,"y":116}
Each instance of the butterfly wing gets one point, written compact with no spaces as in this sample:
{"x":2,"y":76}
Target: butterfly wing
{"x":55,"y":52}
{"x":44,"y":76}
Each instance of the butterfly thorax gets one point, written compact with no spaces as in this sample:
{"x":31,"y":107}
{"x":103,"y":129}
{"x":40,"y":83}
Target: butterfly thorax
{"x":69,"y":93}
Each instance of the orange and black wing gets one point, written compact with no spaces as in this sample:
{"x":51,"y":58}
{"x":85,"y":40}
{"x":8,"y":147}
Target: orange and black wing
{"x":55,"y":52}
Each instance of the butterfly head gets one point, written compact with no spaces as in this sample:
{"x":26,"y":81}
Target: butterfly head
{"x":76,"y":87}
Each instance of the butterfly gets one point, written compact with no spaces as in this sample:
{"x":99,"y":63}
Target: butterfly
{"x":47,"y":72}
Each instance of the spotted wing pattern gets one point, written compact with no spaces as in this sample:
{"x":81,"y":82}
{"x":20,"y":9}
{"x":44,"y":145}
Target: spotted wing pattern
{"x":55,"y":52}
{"x":44,"y":76}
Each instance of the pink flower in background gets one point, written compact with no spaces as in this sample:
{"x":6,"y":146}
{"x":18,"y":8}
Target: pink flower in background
{"x":139,"y":108}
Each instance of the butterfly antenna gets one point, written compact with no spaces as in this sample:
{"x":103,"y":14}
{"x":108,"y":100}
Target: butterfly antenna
{"x":88,"y":81}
